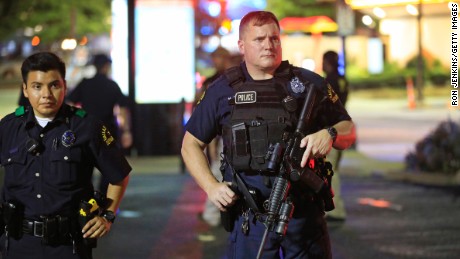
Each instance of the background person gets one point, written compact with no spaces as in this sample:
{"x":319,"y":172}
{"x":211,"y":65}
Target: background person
{"x":49,"y":151}
{"x":216,"y":114}
{"x":100,"y":96}
{"x":340,"y":86}
{"x":221,"y":61}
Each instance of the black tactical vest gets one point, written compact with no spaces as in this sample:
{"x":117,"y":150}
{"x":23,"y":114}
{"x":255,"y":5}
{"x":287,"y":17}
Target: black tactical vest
{"x":262,"y":114}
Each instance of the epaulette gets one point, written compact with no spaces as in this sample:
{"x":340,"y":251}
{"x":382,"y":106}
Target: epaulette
{"x":80,"y":113}
{"x":20,"y":111}
{"x":235,"y":76}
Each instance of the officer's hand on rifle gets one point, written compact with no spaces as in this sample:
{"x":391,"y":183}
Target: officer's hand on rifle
{"x":221,"y":195}
{"x":96,"y":227}
{"x":316,"y":145}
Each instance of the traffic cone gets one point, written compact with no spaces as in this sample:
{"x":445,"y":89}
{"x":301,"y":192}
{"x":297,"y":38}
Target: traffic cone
{"x":410,"y":93}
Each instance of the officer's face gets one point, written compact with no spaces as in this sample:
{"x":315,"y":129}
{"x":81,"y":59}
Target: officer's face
{"x":261,"y":47}
{"x":45,"y":91}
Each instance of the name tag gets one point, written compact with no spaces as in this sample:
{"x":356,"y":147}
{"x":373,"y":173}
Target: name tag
{"x":245,"y":97}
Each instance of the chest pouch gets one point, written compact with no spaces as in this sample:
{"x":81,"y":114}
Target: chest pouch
{"x":259,"y":118}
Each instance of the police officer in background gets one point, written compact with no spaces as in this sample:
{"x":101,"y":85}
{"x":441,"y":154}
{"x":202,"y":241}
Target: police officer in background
{"x":49,"y":150}
{"x":245,"y":107}
{"x":99,"y":96}
{"x":339,"y":84}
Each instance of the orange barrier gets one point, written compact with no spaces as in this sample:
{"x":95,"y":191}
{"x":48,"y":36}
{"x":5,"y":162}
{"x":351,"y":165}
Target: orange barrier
{"x":410,"y":93}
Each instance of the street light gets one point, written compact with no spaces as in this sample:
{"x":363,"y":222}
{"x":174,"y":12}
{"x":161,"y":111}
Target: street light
{"x":68,"y":44}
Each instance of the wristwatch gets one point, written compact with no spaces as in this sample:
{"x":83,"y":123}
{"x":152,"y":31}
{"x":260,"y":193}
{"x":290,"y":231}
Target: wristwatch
{"x":108,"y":215}
{"x":333,"y":132}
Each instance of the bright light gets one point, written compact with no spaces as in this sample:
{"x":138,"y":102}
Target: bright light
{"x":35,"y":41}
{"x":309,"y":64}
{"x":359,"y":4}
{"x":379,"y":12}
{"x":84,"y":41}
{"x":28,"y":31}
{"x":214,"y":9}
{"x":170,"y":59}
{"x":412,"y":10}
{"x":38,"y":28}
{"x":69,"y":44}
{"x":367,"y":20}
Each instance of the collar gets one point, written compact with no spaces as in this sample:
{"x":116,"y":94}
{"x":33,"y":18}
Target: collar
{"x":283,"y":71}
{"x":62,"y":116}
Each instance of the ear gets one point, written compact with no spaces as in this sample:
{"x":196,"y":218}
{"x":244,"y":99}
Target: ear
{"x":241,"y":46}
{"x":24,"y":90}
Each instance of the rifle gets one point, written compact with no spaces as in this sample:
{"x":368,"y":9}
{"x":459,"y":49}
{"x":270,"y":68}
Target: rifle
{"x":284,"y":159}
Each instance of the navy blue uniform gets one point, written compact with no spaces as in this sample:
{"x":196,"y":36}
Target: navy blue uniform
{"x":307,"y":233}
{"x":98,"y":96}
{"x":53,"y":179}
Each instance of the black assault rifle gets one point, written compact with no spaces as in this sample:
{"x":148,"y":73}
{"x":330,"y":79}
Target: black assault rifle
{"x":284,"y":159}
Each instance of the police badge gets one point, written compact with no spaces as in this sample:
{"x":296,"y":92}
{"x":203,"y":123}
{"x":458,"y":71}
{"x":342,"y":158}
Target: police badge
{"x":297,"y":86}
{"x":68,"y":138}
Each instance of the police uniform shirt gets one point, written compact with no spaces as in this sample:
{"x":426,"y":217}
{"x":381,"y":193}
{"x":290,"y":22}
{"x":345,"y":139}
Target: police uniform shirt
{"x":98,"y":96}
{"x":52,"y":178}
{"x":339,"y":85}
{"x":213,"y":110}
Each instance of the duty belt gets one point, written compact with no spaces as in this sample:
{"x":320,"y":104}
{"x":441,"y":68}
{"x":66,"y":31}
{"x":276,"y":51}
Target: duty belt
{"x":33,"y":227}
{"x":55,"y":229}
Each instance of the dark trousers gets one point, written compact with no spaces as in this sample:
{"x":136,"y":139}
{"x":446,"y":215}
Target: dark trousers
{"x":307,"y":237}
{"x":31,"y":247}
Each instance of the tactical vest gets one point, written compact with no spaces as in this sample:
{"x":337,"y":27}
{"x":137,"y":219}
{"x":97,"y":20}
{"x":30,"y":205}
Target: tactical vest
{"x":262,"y":114}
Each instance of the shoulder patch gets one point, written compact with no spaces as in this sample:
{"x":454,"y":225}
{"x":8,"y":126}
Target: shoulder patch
{"x":106,"y":136}
{"x":20,"y":111}
{"x":80,"y":113}
{"x":331,"y":94}
{"x":201,"y":97}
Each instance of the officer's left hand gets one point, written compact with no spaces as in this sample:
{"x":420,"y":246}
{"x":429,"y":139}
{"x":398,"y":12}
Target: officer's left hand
{"x":96,"y":227}
{"x":316,"y":145}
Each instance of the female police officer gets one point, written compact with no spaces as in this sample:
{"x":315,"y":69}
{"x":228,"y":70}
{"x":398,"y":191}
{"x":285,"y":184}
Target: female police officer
{"x":49,"y":151}
{"x":251,"y":93}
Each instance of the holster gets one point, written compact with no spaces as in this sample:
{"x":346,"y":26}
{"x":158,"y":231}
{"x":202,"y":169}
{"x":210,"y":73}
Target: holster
{"x":13,"y":214}
{"x":327,"y":192}
{"x":228,"y":218}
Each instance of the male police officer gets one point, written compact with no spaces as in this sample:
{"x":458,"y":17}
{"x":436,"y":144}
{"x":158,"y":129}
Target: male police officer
{"x":245,"y":106}
{"x":49,"y":151}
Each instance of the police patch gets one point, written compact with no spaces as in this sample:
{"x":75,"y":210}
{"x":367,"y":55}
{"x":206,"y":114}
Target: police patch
{"x":331,"y":94}
{"x":297,"y":86}
{"x":68,"y":138}
{"x":246,"y":97}
{"x":106,"y":136}
{"x":201,"y":97}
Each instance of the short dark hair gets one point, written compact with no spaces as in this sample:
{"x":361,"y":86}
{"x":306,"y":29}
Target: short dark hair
{"x":332,"y":57}
{"x":99,"y":60}
{"x":42,"y":61}
{"x":258,"y":18}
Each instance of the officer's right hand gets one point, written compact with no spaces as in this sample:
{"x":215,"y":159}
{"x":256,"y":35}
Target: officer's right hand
{"x":97,"y":227}
{"x":221,"y":195}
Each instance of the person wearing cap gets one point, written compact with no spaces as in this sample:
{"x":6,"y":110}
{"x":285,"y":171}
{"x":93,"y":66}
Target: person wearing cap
{"x":100,"y":96}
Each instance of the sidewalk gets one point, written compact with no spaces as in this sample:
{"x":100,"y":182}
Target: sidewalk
{"x":356,"y":163}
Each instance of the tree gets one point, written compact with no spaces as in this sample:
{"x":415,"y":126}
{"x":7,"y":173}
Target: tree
{"x":301,"y":8}
{"x":54,"y":20}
